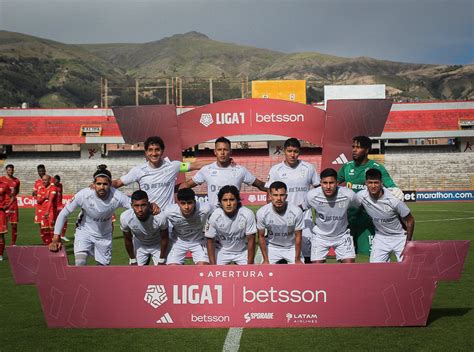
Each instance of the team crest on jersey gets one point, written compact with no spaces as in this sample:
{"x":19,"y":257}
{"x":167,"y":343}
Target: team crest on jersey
{"x":234,"y":172}
{"x":303,"y":173}
{"x":387,"y":208}
{"x":341,"y":204}
{"x":290,"y":221}
{"x":284,"y":175}
{"x":241,"y":224}
{"x":214,"y":173}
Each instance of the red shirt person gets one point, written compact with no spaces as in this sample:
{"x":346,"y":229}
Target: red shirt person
{"x":47,"y":208}
{"x":4,"y":201}
{"x":59,"y":203}
{"x":12,"y":212}
{"x":38,"y":184}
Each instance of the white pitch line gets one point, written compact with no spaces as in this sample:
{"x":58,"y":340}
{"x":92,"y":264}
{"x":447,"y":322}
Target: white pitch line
{"x":452,"y":219}
{"x":232,"y":340}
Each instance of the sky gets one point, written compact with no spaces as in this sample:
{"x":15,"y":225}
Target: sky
{"x":416,"y":31}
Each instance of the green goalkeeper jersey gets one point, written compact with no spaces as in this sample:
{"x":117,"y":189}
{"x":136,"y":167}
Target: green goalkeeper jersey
{"x":354,"y":176}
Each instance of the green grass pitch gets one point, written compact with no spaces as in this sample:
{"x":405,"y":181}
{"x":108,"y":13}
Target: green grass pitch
{"x":450,"y":324}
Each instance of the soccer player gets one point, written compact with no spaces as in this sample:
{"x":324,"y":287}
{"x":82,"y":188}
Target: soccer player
{"x":234,"y":226}
{"x":47,"y":208}
{"x":4,"y":194}
{"x":145,"y":235}
{"x":284,"y":223}
{"x":188,"y":220}
{"x":387,"y":213}
{"x":59,"y":204}
{"x":299,"y":176}
{"x":222,"y":172}
{"x":12,"y":212}
{"x":41,"y":169}
{"x":353,"y":174}
{"x":331,"y":203}
{"x":94,"y":227}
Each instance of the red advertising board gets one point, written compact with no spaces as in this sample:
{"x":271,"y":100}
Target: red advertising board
{"x":190,"y":296}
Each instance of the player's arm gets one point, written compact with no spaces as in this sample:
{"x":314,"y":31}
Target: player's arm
{"x":341,"y":178}
{"x":263,"y":246}
{"x":410,"y":226}
{"x":298,"y":238}
{"x":13,"y":194}
{"x":55,"y":244}
{"x":128,"y":241}
{"x":251,"y":248}
{"x":260,"y":185}
{"x":51,"y":199}
{"x":211,"y":251}
{"x":117,"y":183}
{"x":165,"y":239}
{"x":188,"y":184}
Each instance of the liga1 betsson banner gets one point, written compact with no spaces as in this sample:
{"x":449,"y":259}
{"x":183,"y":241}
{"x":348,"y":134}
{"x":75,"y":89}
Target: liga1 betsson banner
{"x":215,"y":296}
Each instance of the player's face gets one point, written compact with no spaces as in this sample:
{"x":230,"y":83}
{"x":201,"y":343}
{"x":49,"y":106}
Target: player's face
{"x":374,"y":187}
{"x":222,"y":152}
{"x":187,"y":207}
{"x":41,"y":172}
{"x":46,"y":180}
{"x":358,"y":153}
{"x":278,"y":197}
{"x":102,"y":186}
{"x":291,"y":155}
{"x":154,"y":154}
{"x":55,"y":181}
{"x":141,"y":208}
{"x":229,"y":203}
{"x":329,"y":186}
{"x":10,"y":171}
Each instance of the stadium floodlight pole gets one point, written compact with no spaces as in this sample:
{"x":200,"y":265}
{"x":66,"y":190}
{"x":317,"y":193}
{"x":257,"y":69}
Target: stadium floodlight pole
{"x":137,"y":93}
{"x":211,"y":95}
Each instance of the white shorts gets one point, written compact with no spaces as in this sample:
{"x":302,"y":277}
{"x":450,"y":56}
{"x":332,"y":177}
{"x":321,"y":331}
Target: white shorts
{"x":343,"y":246}
{"x":307,"y":233}
{"x":382,"y":246}
{"x":224,"y":257}
{"x":276,"y":254}
{"x":180,"y":247}
{"x":98,"y":247}
{"x":143,"y":252}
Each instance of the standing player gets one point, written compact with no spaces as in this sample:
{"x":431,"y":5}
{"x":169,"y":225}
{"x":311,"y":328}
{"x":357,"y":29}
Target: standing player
{"x":331,"y":204}
{"x":234,"y":226}
{"x":145,"y":235}
{"x":59,"y":203}
{"x":353,"y":174}
{"x":221,"y":173}
{"x":4,"y":194}
{"x":94,"y":227}
{"x":41,"y":169}
{"x":47,"y":208}
{"x":12,"y":212}
{"x":387,"y":213}
{"x":284,"y":223}
{"x":188,"y":220}
{"x":299,"y":176}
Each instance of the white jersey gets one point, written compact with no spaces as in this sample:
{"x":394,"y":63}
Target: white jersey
{"x":280,"y":228}
{"x":385,"y":212}
{"x":298,"y":180}
{"x":217,"y":177}
{"x":96,"y":215}
{"x":148,"y":231}
{"x":331,"y":213}
{"x":189,"y":229}
{"x":158,"y":182}
{"x":231,"y":232}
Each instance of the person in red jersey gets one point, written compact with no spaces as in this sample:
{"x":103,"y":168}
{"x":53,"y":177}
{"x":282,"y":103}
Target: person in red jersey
{"x":59,"y":203}
{"x":38,"y":184}
{"x":47,"y":208}
{"x":12,"y":213}
{"x":4,"y":200}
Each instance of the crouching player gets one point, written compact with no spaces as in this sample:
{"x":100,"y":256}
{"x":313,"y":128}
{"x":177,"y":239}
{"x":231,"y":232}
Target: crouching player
{"x":145,"y":235}
{"x":234,"y":227}
{"x":188,"y":220}
{"x":387,"y":213}
{"x":331,"y":229}
{"x":283,"y":223}
{"x":94,"y":227}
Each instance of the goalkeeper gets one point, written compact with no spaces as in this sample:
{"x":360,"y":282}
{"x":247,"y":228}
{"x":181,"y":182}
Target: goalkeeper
{"x":353,"y":174}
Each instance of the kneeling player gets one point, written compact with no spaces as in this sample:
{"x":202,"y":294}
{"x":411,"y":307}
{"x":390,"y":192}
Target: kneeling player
{"x":331,"y":203}
{"x":283,"y":223}
{"x":188,"y":219}
{"x":387,"y":213}
{"x":234,"y":227}
{"x":145,"y":235}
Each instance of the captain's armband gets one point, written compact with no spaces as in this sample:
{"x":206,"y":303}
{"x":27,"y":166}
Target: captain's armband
{"x":185,"y":166}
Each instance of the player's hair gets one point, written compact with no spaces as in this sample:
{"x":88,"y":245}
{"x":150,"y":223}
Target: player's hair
{"x":222,"y":140}
{"x":230,"y":189}
{"x":292,"y":142}
{"x":102,"y":172}
{"x":9,"y":166}
{"x":186,"y":194}
{"x":329,"y":172}
{"x":57,"y":177}
{"x":373,"y":174}
{"x":154,"y":140}
{"x":40,"y":166}
{"x":139,"y":195}
{"x":278,"y":185}
{"x":364,"y":141}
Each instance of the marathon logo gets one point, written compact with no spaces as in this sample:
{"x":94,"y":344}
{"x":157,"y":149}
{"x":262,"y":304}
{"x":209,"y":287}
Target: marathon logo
{"x":409,"y":196}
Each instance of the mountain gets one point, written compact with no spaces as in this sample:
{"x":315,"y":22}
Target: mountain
{"x":48,"y":73}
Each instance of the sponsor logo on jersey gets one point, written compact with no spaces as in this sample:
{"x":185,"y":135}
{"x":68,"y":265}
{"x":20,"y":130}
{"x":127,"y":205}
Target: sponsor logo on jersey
{"x":165,"y":319}
{"x":257,"y":316}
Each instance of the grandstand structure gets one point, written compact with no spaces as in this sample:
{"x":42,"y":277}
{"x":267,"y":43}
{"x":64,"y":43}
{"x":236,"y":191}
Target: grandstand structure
{"x":425,"y":146}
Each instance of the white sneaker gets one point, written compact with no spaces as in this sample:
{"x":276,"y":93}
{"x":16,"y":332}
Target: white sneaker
{"x":65,"y":239}
{"x":1,"y":258}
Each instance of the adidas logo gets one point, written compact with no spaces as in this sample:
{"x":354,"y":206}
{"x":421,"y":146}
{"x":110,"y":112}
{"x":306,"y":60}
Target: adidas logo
{"x":341,"y":159}
{"x":165,"y":319}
